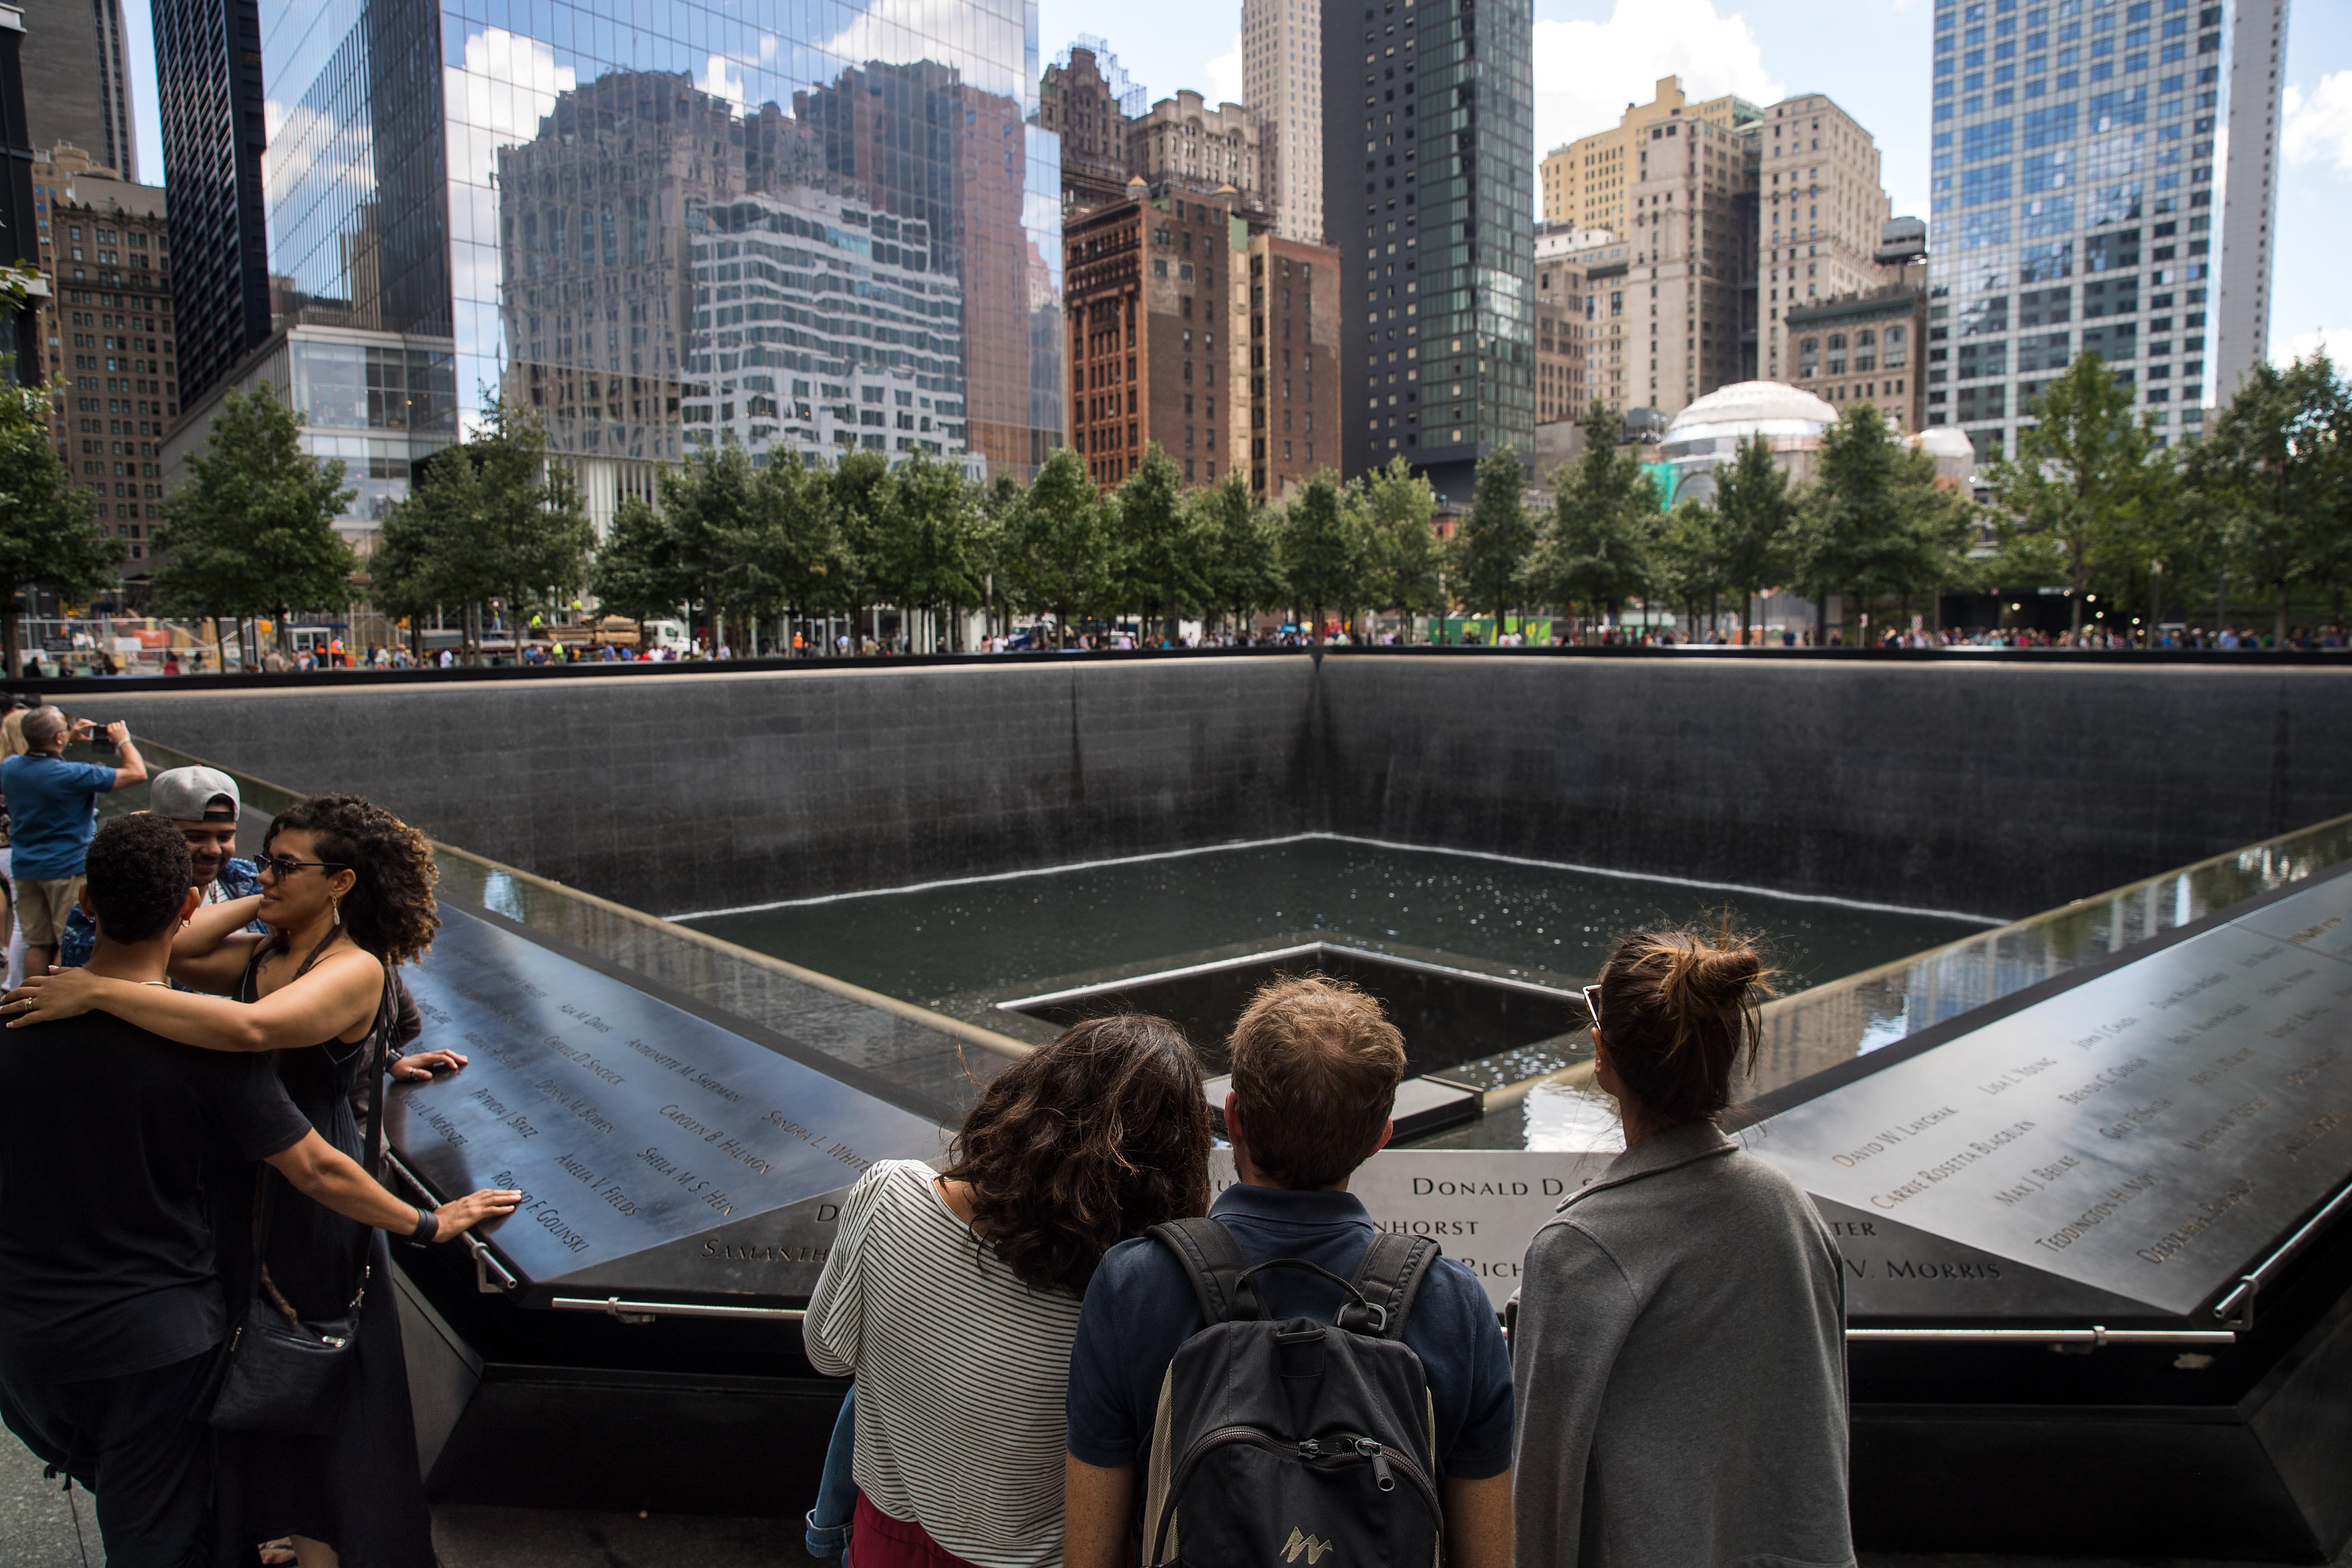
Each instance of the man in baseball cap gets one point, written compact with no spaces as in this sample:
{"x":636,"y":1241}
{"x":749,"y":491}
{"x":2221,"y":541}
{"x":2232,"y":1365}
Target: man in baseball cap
{"x":203,"y":803}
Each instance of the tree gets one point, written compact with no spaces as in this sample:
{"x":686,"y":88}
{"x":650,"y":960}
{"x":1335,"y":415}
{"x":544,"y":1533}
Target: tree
{"x":47,"y":537}
{"x":1604,"y":522}
{"x":1057,"y":549}
{"x":2277,"y":467}
{"x":1155,"y":549}
{"x":1240,"y":558}
{"x":857,"y":499}
{"x":637,"y":574}
{"x":710,"y":504}
{"x":924,"y":547}
{"x":252,"y":529}
{"x":1407,"y":559}
{"x":1755,"y":525}
{"x":1323,"y":549}
{"x":1498,"y":537}
{"x":800,"y":542}
{"x":1686,"y":558}
{"x":2081,"y":475}
{"x":1873,"y":519}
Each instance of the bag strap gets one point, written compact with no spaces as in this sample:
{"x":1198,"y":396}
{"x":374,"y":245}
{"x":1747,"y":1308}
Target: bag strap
{"x":1209,"y":1257}
{"x":371,"y":1073}
{"x":1389,"y":1279}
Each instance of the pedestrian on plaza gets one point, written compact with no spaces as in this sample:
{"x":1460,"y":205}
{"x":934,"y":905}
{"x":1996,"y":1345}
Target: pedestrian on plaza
{"x":1680,"y":1352}
{"x":959,"y":1435}
{"x":204,"y":805}
{"x":1315,"y":1070}
{"x":346,"y":894}
{"x":52,"y":816}
{"x":113,"y":1142}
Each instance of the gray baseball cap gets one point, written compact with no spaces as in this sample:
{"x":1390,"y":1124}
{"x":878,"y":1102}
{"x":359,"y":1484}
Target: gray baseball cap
{"x":194,"y":795}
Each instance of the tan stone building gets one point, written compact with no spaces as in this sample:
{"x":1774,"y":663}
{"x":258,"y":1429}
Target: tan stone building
{"x":107,"y":333}
{"x":1822,"y":209}
{"x":1589,"y":183}
{"x":1561,"y":392}
{"x":1184,"y":143}
{"x":1086,"y":99}
{"x":1204,"y":332}
{"x":1692,"y":262}
{"x":1864,"y":347}
{"x":1605,"y":273}
{"x":1282,"y":81}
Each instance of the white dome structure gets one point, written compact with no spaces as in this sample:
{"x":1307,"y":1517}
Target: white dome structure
{"x":1954,"y":453}
{"x":1710,"y":431}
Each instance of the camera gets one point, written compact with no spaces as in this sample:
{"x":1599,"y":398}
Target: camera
{"x":97,"y":736}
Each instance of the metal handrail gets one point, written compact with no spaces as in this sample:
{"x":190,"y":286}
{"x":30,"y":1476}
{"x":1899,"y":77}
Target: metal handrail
{"x":646,"y":1312}
{"x":2095,"y":1335}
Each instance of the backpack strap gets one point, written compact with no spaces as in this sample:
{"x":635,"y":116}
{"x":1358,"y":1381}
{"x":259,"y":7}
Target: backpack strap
{"x":1213,"y":1263}
{"x":1390,"y":1281}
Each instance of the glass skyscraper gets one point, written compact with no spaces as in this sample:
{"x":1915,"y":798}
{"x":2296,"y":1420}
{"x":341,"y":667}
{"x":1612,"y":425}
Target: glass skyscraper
{"x":2096,"y":190}
{"x":1428,"y":171}
{"x":811,"y":224}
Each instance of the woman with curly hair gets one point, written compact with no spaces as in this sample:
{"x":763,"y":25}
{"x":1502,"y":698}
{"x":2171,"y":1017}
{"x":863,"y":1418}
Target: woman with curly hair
{"x":953,"y":1299}
{"x":346,"y":894}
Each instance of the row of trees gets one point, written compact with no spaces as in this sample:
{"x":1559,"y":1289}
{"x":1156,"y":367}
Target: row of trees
{"x":2093,"y":501}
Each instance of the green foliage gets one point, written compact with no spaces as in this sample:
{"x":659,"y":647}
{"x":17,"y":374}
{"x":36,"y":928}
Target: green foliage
{"x":1325,"y":549}
{"x":636,"y":573}
{"x":1155,"y":550}
{"x":2083,"y":480}
{"x":252,"y":531}
{"x":923,"y":555}
{"x":490,"y":518}
{"x":2276,"y":470}
{"x":1057,"y":547}
{"x":47,"y":537}
{"x":1687,"y":557}
{"x":1408,"y":560}
{"x":1875,"y":521}
{"x":1498,"y":537}
{"x":1240,"y":564}
{"x":1604,"y":524}
{"x":1755,"y":525}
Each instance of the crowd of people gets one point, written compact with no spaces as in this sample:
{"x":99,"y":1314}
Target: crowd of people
{"x":1062,"y":1350}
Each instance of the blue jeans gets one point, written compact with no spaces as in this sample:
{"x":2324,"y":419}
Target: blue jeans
{"x":836,"y":1491}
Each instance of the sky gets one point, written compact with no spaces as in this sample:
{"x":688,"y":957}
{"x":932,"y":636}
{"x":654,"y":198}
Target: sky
{"x":1594,"y":57}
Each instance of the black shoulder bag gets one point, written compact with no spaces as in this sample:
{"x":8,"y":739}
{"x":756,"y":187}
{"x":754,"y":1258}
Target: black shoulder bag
{"x":285,"y":1371}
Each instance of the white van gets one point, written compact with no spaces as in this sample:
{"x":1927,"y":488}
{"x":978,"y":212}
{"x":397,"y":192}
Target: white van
{"x":668,"y":637}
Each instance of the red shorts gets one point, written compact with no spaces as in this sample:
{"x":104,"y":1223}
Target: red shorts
{"x":877,"y":1541}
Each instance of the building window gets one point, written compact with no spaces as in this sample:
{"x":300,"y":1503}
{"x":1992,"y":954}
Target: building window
{"x":1809,"y":351}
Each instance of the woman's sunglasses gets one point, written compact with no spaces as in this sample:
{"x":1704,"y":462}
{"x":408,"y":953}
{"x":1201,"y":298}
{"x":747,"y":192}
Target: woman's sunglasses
{"x":280,"y":866}
{"x":1592,"y":1005}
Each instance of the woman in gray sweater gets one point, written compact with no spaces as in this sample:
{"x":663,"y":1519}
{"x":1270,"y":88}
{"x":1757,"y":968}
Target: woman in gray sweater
{"x":1680,"y":1353}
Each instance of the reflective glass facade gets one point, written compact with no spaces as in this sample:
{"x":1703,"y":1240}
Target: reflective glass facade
{"x":1428,"y":160}
{"x":2078,"y":204}
{"x":812,"y":225}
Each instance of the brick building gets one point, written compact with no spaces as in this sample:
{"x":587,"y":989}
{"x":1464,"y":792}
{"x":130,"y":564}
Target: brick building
{"x":107,"y":333}
{"x":1085,"y":97}
{"x":1561,"y":391}
{"x":1864,"y":347}
{"x":1188,"y":329}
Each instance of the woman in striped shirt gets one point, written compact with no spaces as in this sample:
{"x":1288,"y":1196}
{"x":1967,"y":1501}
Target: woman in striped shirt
{"x":953,"y":1299}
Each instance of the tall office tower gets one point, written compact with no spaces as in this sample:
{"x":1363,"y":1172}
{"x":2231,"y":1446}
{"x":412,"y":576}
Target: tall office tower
{"x":1087,"y":100}
{"x":76,"y":86}
{"x":2075,"y":188}
{"x":2249,"y":192}
{"x":1692,"y":255}
{"x":1821,"y":207}
{"x":106,"y":253}
{"x":1282,"y":81}
{"x":629,"y":225}
{"x":208,"y":79}
{"x":1589,"y":183}
{"x":23,"y":338}
{"x":1429,"y":213}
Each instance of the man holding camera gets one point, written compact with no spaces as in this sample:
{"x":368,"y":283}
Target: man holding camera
{"x":52,"y":817}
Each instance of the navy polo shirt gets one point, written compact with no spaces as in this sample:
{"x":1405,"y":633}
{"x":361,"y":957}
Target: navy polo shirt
{"x":1140,"y":1307}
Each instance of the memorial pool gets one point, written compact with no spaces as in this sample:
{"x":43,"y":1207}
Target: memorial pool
{"x":962,"y":947}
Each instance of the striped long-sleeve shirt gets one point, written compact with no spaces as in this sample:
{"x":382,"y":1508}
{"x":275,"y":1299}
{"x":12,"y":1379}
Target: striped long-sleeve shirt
{"x":961,"y":1372}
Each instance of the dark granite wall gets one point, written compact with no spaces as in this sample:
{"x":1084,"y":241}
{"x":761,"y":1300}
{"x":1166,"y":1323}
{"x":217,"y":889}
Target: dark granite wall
{"x":1996,"y":788}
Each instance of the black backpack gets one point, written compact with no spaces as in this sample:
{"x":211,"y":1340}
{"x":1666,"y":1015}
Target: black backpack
{"x":1279,"y":1443}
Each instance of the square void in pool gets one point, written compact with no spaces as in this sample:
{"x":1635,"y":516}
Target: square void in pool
{"x":1448,"y":1015}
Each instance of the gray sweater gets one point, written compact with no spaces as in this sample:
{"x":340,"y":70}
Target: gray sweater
{"x":1680,"y":1370}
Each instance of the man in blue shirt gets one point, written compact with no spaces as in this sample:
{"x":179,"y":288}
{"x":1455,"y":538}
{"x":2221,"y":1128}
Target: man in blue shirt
{"x":204,"y":805}
{"x":1315,"y":1073}
{"x":52,"y":817}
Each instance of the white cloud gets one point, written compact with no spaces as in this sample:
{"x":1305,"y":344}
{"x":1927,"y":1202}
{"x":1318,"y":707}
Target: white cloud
{"x":2319,"y":124}
{"x":901,"y":32}
{"x":2335,"y":341}
{"x":1225,"y":75}
{"x":722,"y":78}
{"x":1587,"y":72}
{"x":495,"y":99}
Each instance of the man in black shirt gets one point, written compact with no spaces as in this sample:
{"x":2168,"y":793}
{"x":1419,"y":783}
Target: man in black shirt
{"x":111,"y":1141}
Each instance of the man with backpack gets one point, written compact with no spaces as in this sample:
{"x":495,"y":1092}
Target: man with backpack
{"x":1280,"y":1383}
